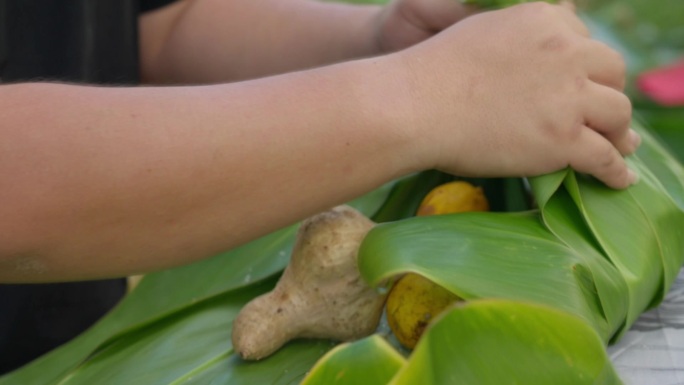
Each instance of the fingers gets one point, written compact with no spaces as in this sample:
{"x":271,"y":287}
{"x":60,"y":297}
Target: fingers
{"x":609,"y":112}
{"x":605,"y":65}
{"x":606,"y":136}
{"x":595,"y":155}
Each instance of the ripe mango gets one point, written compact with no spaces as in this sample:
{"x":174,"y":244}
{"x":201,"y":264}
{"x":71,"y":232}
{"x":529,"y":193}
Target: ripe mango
{"x":453,"y":197}
{"x":415,"y":300}
{"x":412,"y":303}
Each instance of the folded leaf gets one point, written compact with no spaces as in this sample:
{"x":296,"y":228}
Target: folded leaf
{"x":600,"y":254}
{"x":370,"y":361}
{"x":496,"y":342}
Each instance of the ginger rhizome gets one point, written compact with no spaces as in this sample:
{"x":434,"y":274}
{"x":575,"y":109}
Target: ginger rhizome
{"x":321,"y":293}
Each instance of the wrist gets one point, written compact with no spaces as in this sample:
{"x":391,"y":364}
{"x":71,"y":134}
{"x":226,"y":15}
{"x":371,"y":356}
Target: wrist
{"x":386,"y":98}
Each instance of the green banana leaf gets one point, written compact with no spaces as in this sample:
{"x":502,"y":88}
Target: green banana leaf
{"x":481,"y":255}
{"x":368,"y":361}
{"x":666,"y":124}
{"x":561,"y":348}
{"x":599,"y":254}
{"x":189,"y":347}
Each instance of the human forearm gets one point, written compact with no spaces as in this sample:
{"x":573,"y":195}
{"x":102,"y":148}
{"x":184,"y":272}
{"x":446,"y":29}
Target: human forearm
{"x":210,"y":41}
{"x":106,"y":182}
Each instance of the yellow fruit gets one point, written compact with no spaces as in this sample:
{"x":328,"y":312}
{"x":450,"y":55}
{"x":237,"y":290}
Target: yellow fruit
{"x":415,"y":300}
{"x":412,"y":303}
{"x":453,"y":197}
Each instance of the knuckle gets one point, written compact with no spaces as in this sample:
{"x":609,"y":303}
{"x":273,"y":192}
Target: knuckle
{"x":571,"y":51}
{"x":573,"y":132}
{"x":624,"y":110}
{"x":620,"y":177}
{"x":555,"y":42}
{"x":566,"y":133}
{"x":605,"y":157}
{"x":620,"y":64}
{"x":581,"y":82}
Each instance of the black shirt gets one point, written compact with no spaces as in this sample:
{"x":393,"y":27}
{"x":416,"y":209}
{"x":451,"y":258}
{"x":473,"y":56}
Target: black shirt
{"x":86,"y":41}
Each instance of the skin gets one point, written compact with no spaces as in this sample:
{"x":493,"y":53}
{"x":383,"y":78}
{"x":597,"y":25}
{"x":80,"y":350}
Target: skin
{"x":283,"y":36}
{"x":103,"y":182}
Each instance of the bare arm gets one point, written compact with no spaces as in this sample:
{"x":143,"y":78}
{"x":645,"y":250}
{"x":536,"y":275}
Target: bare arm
{"x":210,"y":41}
{"x":109,"y":181}
{"x":213,"y":41}
{"x":103,"y":182}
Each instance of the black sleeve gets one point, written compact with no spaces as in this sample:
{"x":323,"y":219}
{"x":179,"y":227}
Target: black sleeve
{"x":148,"y":5}
{"x":73,"y":41}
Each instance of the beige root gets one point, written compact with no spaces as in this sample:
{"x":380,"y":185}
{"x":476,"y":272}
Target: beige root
{"x":320,"y":294}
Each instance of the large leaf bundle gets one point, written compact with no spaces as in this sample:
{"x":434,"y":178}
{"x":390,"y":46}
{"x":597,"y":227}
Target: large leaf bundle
{"x":591,"y":259}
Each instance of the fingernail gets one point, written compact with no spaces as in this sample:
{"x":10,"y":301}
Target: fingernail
{"x":633,"y":177}
{"x":635,"y":138}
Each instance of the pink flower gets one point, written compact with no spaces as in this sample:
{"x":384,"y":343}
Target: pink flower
{"x":665,"y":85}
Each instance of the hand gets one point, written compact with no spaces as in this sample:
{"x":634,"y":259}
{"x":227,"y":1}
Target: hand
{"x":404,"y":23}
{"x":518,"y":92}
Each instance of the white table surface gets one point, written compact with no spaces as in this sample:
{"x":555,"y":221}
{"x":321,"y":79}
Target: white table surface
{"x":652,"y":351}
